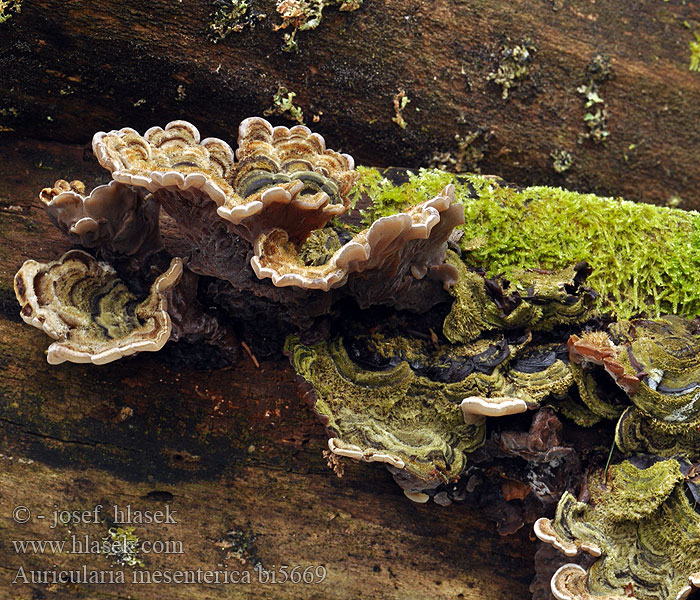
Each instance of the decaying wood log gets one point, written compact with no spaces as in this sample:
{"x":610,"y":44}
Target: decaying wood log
{"x":234,"y":451}
{"x":392,"y":83}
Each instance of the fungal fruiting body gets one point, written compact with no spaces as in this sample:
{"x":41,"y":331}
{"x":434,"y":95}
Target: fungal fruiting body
{"x":90,"y":312}
{"x":469,"y":386}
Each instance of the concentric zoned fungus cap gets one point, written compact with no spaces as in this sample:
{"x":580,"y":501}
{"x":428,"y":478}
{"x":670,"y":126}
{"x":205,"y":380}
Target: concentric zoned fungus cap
{"x":656,"y":363}
{"x":290,"y":176}
{"x":408,"y":243}
{"x":115,"y":217}
{"x":173,"y":158}
{"x":641,"y":524}
{"x":389,"y":415}
{"x":83,"y":304}
{"x":538,"y":300}
{"x":285,"y":178}
{"x":415,"y":405}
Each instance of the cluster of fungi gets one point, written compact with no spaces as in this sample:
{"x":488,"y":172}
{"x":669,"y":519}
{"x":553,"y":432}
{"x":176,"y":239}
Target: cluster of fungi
{"x":504,"y":395}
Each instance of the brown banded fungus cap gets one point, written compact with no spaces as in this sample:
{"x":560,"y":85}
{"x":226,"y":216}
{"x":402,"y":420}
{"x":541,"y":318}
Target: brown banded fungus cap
{"x":290,"y":176}
{"x":283,"y":178}
{"x":173,"y":158}
{"x":90,"y":312}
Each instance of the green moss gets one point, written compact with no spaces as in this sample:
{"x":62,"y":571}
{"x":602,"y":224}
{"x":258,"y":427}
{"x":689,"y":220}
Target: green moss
{"x":389,"y":199}
{"x":9,"y":8}
{"x":645,"y":259}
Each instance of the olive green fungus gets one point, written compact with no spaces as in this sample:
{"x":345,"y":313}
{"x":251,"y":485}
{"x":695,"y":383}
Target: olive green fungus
{"x":640,"y":523}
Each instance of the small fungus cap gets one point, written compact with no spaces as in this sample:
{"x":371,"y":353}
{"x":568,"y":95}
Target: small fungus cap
{"x":90,"y":312}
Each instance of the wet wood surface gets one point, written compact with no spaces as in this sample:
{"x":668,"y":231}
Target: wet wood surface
{"x":68,"y":69}
{"x":233,"y":454}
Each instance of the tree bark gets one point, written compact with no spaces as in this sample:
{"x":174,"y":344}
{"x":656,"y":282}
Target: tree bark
{"x":70,"y":69}
{"x":235,"y":452}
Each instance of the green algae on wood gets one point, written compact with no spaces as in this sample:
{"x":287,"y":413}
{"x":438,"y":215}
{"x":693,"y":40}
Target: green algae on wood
{"x":645,"y":259}
{"x":656,"y":363}
{"x":642,"y":526}
{"x":388,"y":416}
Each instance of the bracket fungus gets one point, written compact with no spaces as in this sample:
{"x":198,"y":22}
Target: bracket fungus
{"x":471,"y":388}
{"x":642,"y":526}
{"x":90,"y":312}
{"x":118,"y":218}
{"x":413,"y":241}
{"x":283,"y":177}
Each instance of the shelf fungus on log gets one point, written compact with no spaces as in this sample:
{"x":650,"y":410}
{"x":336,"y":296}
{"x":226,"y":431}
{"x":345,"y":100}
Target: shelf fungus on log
{"x":419,"y":407}
{"x":655,"y":362}
{"x":536,"y":299}
{"x":284,"y":178}
{"x":89,"y":310}
{"x":642,"y":525}
{"x":119,"y":219}
{"x":408,"y":242}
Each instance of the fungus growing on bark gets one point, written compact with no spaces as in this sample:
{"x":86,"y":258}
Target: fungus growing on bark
{"x":655,"y":362}
{"x":382,"y":395}
{"x":539,"y":300}
{"x":406,"y":348}
{"x":413,"y":241}
{"x":284,"y":178}
{"x":389,"y":415}
{"x":90,"y":312}
{"x":117,"y":218}
{"x":641,"y":524}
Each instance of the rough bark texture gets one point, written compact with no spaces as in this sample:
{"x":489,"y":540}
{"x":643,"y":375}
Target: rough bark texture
{"x":236,"y":449}
{"x":230,"y":450}
{"x":70,"y":69}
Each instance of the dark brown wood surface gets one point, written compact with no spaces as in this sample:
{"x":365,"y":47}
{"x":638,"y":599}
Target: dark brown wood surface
{"x":230,"y":450}
{"x":68,"y":69}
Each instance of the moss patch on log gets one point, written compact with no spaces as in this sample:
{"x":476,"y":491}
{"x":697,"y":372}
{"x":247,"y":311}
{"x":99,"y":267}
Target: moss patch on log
{"x":645,"y":259}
